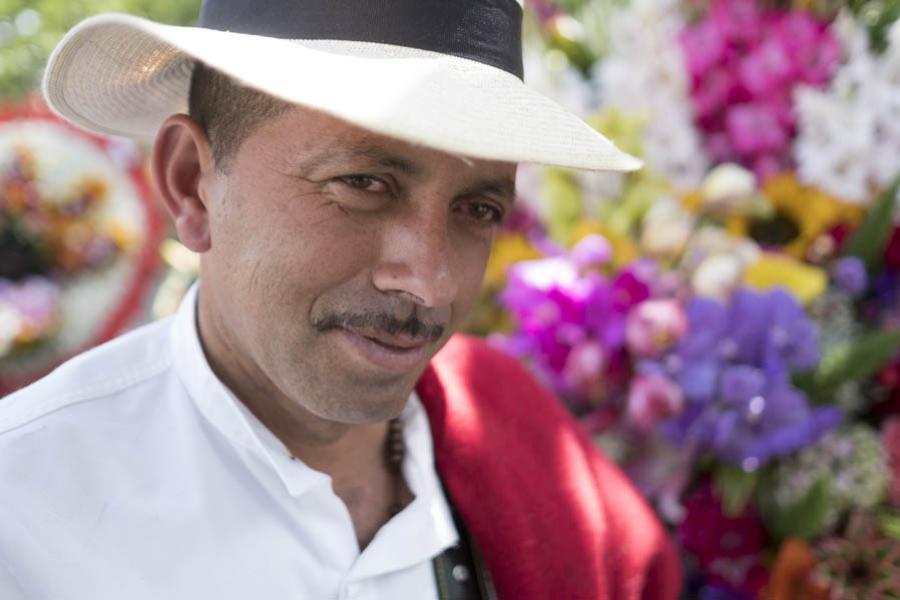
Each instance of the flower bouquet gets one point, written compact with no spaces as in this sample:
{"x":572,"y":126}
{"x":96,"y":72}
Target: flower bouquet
{"x":726,"y":322}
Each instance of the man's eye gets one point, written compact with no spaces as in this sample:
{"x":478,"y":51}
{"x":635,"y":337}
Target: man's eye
{"x":366,"y":183}
{"x":485,"y":212}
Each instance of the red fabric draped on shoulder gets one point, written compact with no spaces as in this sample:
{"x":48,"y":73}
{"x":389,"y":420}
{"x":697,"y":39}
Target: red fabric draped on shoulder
{"x":551,"y":515}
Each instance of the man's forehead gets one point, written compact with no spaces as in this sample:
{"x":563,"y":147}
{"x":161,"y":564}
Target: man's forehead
{"x":307,"y":142}
{"x":390,"y":154}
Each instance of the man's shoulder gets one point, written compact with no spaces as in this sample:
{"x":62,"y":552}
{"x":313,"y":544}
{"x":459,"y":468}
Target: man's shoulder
{"x":103,"y":372}
{"x":474,"y":368}
{"x":466,"y":351}
{"x":480,"y":365}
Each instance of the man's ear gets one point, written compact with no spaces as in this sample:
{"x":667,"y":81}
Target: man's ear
{"x":182,"y":167}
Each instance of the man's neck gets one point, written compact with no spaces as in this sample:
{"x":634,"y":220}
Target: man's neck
{"x":353,"y":455}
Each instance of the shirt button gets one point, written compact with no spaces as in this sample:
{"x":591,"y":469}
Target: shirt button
{"x":460,"y":573}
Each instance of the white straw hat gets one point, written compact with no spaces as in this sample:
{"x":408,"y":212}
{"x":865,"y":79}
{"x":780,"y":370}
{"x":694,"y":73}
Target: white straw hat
{"x":442,"y":73}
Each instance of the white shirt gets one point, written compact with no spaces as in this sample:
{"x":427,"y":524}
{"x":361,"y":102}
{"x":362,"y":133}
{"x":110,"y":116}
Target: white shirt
{"x":132,"y":472}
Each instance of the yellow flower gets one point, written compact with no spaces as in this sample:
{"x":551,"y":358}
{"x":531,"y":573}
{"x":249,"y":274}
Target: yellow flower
{"x":772,"y":270}
{"x":802,"y":214}
{"x":509,"y":248}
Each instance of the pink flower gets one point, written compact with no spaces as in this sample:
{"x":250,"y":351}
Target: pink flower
{"x":815,"y":53}
{"x":712,"y":93}
{"x":653,"y":327}
{"x":765,"y":69}
{"x":651,"y":399}
{"x":728,"y":549}
{"x":35,"y":298}
{"x":704,"y":47}
{"x":584,"y":368}
{"x":890,"y":436}
{"x":745,"y":61}
{"x":591,"y":251}
{"x":767,"y":166}
{"x":741,"y":21}
{"x":754,"y":129}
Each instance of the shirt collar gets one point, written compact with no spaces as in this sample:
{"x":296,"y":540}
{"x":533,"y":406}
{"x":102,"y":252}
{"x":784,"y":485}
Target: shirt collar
{"x":222,"y":408}
{"x":224,"y":411}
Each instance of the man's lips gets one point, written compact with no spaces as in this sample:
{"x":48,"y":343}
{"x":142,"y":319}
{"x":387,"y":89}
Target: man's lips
{"x":397,"y":342}
{"x":395,"y":353}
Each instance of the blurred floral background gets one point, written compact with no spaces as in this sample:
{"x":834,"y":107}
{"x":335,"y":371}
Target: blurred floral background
{"x":725,"y":323}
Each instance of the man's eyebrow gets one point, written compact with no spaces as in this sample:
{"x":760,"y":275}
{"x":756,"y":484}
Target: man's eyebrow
{"x":366,"y":152}
{"x":503,"y":187}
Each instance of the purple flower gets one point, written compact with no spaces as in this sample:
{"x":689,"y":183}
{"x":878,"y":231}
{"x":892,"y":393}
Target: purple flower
{"x":722,"y":592}
{"x":35,"y":298}
{"x":571,"y":319}
{"x":778,"y":422}
{"x":734,"y":368}
{"x":608,"y":305}
{"x":739,"y":384}
{"x":708,"y":324}
{"x":849,"y":274}
{"x":792,"y":339}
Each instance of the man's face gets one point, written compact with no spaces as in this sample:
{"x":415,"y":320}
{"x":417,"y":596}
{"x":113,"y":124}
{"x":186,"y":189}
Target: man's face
{"x":341,"y":261}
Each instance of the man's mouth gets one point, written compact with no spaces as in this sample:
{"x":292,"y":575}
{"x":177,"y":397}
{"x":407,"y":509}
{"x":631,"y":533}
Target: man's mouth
{"x":394,"y":342}
{"x":389,"y":352}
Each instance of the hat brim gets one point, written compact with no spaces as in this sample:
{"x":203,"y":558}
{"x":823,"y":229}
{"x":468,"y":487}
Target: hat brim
{"x":121,"y":75}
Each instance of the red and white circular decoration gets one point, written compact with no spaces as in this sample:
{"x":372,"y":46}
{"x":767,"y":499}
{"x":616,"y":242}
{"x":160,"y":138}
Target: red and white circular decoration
{"x":79,"y":239}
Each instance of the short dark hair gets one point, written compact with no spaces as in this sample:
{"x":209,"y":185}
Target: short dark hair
{"x":226,"y":110}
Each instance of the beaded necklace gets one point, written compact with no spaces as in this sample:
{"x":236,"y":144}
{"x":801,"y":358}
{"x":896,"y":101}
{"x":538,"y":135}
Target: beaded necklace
{"x":394,"y":453}
{"x":395,"y":450}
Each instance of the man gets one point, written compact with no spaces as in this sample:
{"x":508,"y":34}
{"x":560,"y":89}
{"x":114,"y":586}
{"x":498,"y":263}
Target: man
{"x":291,"y":433}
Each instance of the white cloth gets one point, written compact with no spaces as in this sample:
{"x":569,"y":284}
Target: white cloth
{"x":132,"y":472}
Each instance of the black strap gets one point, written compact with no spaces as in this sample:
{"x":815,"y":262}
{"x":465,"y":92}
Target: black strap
{"x":459,"y":571}
{"x":488,"y":31}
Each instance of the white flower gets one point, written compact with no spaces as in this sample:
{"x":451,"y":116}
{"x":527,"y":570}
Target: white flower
{"x":666,"y":229}
{"x":551,"y":74}
{"x":715,"y":262}
{"x":644,"y":74}
{"x":849,"y":134}
{"x":731,"y":189}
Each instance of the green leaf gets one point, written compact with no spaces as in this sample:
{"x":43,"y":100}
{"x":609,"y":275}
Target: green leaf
{"x":566,"y":206}
{"x":805,"y":519}
{"x":869,"y":240}
{"x":735,"y":486}
{"x":854,"y":361}
{"x":889,"y":523}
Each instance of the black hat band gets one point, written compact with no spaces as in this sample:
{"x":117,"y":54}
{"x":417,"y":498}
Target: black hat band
{"x":488,"y":31}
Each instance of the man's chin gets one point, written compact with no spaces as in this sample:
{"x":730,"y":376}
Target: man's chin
{"x":366,"y":411}
{"x":356,"y":398}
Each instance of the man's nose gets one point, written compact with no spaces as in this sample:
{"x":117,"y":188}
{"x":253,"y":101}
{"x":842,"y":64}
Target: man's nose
{"x":416,"y":260}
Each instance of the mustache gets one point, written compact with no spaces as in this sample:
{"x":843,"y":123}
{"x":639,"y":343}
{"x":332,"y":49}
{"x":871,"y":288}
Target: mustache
{"x":412,"y":326}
